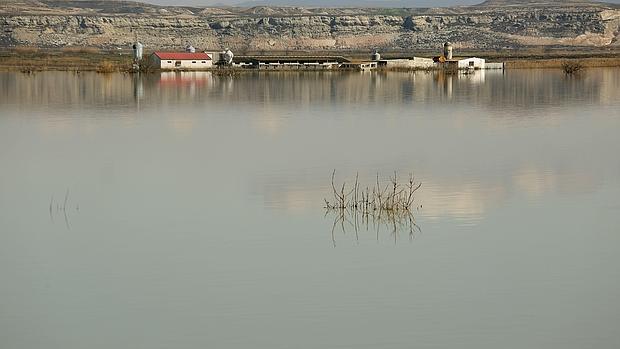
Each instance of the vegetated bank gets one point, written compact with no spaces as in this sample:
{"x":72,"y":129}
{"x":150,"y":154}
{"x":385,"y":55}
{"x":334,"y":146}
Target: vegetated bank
{"x":25,"y":58}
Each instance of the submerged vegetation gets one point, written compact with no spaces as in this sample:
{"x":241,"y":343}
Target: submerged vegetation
{"x":389,"y":205}
{"x":572,"y":67}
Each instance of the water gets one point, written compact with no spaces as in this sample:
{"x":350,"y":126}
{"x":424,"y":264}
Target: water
{"x":186,"y":211}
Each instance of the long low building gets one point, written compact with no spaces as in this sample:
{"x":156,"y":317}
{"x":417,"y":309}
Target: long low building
{"x":289,"y":62}
{"x":182,"y":60}
{"x":411,"y":63}
{"x":472,"y":63}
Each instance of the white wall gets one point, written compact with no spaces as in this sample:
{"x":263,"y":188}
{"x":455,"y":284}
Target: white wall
{"x":488,"y":65}
{"x":476,"y":63}
{"x":185,"y":64}
{"x":416,"y":62}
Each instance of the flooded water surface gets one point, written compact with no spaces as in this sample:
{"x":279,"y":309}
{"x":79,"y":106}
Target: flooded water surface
{"x":186,"y":210}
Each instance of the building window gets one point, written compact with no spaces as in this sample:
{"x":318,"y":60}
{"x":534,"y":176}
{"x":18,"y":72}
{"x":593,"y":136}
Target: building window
{"x":193,"y":61}
{"x":169,"y":61}
{"x":204,"y":61}
{"x":177,"y":64}
{"x":471,"y":63}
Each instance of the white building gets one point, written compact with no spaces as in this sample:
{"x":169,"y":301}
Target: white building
{"x":182,"y":60}
{"x":412,"y":63}
{"x":471,"y":63}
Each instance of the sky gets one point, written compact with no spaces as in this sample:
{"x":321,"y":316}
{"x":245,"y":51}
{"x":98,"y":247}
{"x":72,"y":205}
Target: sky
{"x":333,"y":3}
{"x":330,"y":3}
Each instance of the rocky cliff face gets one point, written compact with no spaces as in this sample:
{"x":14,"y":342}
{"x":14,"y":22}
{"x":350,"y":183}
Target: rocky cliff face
{"x":491,"y":26}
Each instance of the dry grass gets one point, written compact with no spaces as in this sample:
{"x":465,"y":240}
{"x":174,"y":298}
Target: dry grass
{"x":26,"y":49}
{"x":106,"y":67}
{"x":74,"y":49}
{"x":61,"y":59}
{"x":559,"y":63}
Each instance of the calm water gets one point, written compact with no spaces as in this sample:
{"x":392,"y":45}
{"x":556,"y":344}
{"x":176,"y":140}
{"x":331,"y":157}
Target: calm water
{"x":186,"y":211}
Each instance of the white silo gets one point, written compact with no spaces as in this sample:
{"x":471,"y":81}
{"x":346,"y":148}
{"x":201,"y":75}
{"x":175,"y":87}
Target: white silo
{"x":227,"y":56}
{"x":447,"y":50}
{"x":138,"y":48}
{"x":376,"y":56}
{"x":190,"y":48}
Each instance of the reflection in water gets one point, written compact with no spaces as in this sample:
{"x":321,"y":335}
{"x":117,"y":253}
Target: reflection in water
{"x":63,"y":208}
{"x":489,"y":89}
{"x":357,"y":101}
{"x":395,"y":223}
{"x":203,"y":203}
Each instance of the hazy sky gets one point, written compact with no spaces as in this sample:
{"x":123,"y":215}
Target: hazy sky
{"x":334,"y":3}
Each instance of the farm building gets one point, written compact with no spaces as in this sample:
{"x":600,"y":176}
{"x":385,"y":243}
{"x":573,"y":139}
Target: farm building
{"x":182,"y":60}
{"x":289,"y":62}
{"x":411,"y":63}
{"x":465,"y":63}
{"x":471,"y":63}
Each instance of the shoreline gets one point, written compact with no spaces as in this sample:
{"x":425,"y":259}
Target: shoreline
{"x":28,"y":59}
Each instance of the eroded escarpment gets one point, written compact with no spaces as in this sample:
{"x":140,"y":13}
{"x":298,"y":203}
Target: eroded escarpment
{"x":487,"y":26}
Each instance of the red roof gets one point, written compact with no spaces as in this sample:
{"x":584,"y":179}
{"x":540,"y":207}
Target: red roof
{"x":182,"y":55}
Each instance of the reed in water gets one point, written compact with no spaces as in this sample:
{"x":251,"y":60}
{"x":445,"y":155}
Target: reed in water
{"x":388,"y":205}
{"x":391,"y":197}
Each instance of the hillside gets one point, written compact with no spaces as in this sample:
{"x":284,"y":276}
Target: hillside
{"x":495,"y":24}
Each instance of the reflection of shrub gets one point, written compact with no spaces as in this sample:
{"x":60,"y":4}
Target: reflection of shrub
{"x":106,"y":67}
{"x":572,"y":67}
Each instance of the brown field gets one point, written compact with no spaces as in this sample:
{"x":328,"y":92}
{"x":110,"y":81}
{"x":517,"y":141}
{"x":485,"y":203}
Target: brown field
{"x":33,"y":59}
{"x":558,"y":63}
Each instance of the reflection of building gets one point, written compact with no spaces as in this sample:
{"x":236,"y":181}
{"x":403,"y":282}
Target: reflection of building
{"x":185,"y":78}
{"x":182,"y":60}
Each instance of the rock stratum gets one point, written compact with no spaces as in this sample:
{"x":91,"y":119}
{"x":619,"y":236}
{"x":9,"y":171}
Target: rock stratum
{"x":494,"y":24}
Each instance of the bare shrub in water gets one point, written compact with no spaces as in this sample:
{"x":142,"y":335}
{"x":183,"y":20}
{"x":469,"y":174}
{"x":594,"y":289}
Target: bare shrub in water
{"x":147,"y":66}
{"x":389,"y":205}
{"x":394,"y":196}
{"x":572,"y":67}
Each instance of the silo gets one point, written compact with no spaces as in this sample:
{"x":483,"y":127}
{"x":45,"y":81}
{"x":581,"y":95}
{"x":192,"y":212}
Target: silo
{"x":447,"y":50}
{"x":190,"y":48}
{"x":137,"y":51}
{"x":376,"y":56}
{"x":228,"y":56}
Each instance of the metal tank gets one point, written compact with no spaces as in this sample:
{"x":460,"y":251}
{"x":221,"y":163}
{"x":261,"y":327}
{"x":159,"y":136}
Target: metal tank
{"x":138,"y":48}
{"x":190,"y":49}
{"x":447,"y":50}
{"x":376,"y":56}
{"x":227,"y":56}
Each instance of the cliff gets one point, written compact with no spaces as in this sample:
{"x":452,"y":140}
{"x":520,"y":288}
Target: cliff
{"x":491,"y":25}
